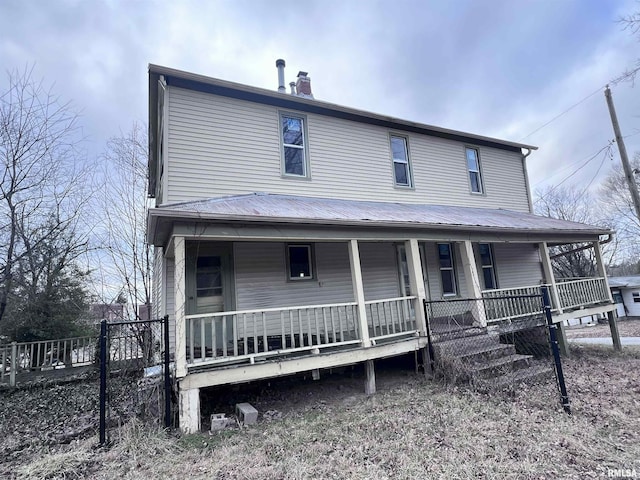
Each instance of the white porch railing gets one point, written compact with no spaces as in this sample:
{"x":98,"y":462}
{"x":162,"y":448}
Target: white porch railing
{"x":572,"y":294}
{"x":391,"y":317}
{"x":583,"y":292}
{"x":246,"y":334}
{"x":509,"y":303}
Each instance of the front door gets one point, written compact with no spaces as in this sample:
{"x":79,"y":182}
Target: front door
{"x":209,"y":278}
{"x":210,"y":290}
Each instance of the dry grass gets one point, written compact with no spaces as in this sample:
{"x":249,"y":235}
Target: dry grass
{"x":628,"y":327}
{"x":410,"y":429}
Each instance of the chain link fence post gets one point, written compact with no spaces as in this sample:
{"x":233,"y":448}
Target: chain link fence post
{"x":555,"y":349}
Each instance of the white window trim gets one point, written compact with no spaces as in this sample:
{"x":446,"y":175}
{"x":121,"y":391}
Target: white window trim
{"x":452,"y":268}
{"x":410,"y":185}
{"x":304,"y":147}
{"x":478,"y":171}
{"x":312,"y":270}
{"x":492,"y":266}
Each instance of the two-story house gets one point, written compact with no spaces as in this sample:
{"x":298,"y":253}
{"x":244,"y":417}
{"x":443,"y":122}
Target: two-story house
{"x":295,"y":235}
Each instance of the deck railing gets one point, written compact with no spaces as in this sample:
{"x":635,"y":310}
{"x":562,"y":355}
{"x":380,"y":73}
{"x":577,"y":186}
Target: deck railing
{"x":509,"y":303}
{"x":391,"y":317}
{"x":572,"y":294}
{"x":22,"y":357}
{"x":247,"y":334}
{"x":583,"y":292}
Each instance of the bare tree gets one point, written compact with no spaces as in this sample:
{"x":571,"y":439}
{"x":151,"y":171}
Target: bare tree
{"x":617,"y":201}
{"x":576,"y":206}
{"x":125,"y":217}
{"x":41,"y":185}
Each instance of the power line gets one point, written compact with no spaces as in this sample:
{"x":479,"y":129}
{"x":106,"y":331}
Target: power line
{"x":586,"y":159}
{"x":563,"y":113}
{"x":625,"y":76}
{"x":584,"y":164}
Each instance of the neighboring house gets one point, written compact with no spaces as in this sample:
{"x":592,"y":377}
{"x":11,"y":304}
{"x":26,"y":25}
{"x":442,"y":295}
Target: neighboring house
{"x":292,"y":234}
{"x":111,"y":312}
{"x":626,"y":295}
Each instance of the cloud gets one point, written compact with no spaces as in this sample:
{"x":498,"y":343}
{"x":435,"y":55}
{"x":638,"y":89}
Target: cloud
{"x":497,"y":68}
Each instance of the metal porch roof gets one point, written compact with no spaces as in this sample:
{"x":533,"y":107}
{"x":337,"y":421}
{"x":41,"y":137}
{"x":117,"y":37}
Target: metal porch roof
{"x":273,"y":208}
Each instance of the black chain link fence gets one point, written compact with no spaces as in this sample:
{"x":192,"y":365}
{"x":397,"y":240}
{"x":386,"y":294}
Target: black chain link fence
{"x":135,"y":380}
{"x":510,"y":353}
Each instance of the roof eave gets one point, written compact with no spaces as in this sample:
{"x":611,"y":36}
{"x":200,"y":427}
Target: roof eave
{"x":172,"y":215}
{"x":261,"y":95}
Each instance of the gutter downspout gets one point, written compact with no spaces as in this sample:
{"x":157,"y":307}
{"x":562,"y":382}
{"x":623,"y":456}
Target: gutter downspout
{"x":526,"y":178}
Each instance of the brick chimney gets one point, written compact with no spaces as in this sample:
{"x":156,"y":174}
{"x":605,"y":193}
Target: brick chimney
{"x":303,"y":85}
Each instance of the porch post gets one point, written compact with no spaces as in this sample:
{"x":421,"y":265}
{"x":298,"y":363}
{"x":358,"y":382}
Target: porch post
{"x":473,"y":281}
{"x":189,"y":410}
{"x":416,"y":280}
{"x":358,"y":291}
{"x":612,"y":316}
{"x":548,"y":275}
{"x":602,"y":271}
{"x":180,"y":302}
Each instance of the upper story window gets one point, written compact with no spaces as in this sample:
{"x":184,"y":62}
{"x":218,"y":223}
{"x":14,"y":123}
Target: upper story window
{"x":447,"y":268}
{"x":475,"y":174}
{"x":401,"y":163}
{"x":488,"y":268}
{"x":292,"y":130}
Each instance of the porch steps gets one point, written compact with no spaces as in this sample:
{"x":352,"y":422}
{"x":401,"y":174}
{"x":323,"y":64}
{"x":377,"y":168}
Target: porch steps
{"x":481,"y":360}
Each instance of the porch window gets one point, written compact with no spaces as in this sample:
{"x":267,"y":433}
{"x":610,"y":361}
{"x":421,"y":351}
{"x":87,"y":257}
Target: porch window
{"x":447,"y":269}
{"x":401,"y":165}
{"x":292,"y":132}
{"x":636,"y":297}
{"x":488,"y":269}
{"x":475,"y":175}
{"x":299,"y":262}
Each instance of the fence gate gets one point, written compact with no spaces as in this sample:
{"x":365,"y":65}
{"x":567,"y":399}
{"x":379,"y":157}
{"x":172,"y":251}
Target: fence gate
{"x":134,"y":373}
{"x":519,"y":345}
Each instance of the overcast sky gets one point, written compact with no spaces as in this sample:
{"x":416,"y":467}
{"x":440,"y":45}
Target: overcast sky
{"x":500,"y":68}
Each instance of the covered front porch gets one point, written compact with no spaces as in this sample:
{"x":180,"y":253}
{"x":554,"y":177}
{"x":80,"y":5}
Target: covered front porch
{"x":258,"y":298}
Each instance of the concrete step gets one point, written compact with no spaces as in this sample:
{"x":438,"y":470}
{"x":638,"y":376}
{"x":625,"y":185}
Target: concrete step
{"x":529,"y":376}
{"x":473,"y":349}
{"x":456,"y":333}
{"x":496,"y":367}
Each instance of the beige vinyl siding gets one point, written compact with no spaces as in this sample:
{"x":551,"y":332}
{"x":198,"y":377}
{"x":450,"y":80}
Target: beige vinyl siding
{"x":220,"y":146}
{"x":261,"y":276}
{"x":380,"y":275}
{"x":517,"y":264}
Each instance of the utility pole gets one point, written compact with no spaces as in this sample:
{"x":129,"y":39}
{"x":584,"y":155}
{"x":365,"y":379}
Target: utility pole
{"x":628,"y":173}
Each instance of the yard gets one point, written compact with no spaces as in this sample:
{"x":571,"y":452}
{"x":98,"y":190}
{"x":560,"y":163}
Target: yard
{"x":412,"y":428}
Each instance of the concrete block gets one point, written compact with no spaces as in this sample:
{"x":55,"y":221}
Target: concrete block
{"x":246,"y":413}
{"x":219,"y":422}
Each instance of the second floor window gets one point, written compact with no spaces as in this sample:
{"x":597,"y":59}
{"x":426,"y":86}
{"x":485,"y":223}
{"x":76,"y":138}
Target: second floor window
{"x":401,"y":165}
{"x":447,"y":268}
{"x":475,"y":175}
{"x":293,"y":145}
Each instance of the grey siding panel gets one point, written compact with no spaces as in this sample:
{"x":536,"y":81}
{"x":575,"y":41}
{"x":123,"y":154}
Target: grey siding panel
{"x":220,"y":146}
{"x":379,"y":265}
{"x":261,"y":280}
{"x":517,"y":264}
